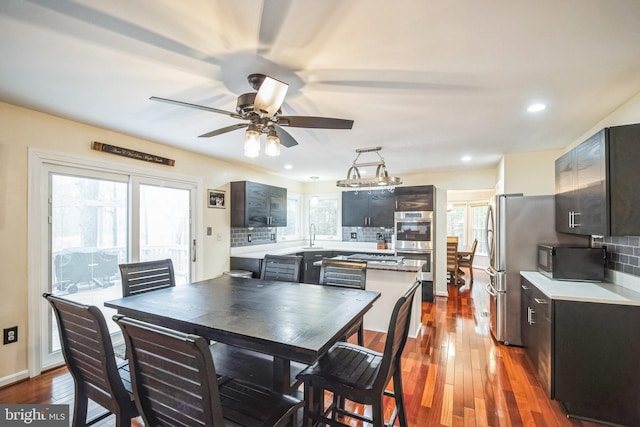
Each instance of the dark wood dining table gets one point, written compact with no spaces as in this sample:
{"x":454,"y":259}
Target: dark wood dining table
{"x":290,"y":321}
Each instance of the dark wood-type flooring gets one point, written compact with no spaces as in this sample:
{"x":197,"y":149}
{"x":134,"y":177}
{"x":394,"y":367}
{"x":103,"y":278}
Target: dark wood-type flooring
{"x":455,"y":374}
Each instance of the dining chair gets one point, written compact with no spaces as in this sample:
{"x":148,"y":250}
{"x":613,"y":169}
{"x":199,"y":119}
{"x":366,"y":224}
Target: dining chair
{"x":467,"y":261}
{"x":88,"y":353}
{"x":175,"y":383}
{"x":347,"y":274}
{"x":139,"y":277}
{"x":452,"y":261}
{"x":360,"y":375}
{"x":284,"y":268}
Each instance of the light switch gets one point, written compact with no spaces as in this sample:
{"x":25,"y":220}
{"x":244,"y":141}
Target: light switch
{"x":209,"y":231}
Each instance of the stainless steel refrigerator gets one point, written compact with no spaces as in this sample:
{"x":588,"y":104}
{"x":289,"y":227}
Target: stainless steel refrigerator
{"x":515,"y":226}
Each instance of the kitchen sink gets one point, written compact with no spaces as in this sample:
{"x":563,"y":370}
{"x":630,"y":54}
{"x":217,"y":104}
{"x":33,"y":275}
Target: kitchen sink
{"x":311,"y":247}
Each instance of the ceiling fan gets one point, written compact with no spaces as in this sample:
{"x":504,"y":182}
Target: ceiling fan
{"x":262,"y":113}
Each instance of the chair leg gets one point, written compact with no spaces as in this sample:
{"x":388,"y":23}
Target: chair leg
{"x":80,"y":408}
{"x":399,"y":397}
{"x":471,"y":274}
{"x":377,"y":414}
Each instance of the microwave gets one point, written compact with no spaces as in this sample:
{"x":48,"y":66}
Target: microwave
{"x":566,"y":262}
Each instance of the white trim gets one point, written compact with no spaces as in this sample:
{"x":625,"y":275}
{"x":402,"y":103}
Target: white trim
{"x":14,"y":378}
{"x":37,"y":229}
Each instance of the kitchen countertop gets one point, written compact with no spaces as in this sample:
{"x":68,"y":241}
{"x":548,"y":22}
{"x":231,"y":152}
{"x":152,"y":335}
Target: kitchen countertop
{"x":260,"y":252}
{"x":598,"y":292}
{"x":406,"y":265}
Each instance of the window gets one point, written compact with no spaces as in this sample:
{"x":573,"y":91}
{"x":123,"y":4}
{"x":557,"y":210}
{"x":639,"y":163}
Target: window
{"x":467,"y":220}
{"x":323,"y":214}
{"x":293,"y":230}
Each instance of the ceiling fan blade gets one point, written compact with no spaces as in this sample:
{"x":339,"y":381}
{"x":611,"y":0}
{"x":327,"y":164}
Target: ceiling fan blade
{"x":314,"y":122}
{"x":199,"y":107}
{"x":224,"y":130}
{"x":285,"y":138}
{"x":270,"y":96}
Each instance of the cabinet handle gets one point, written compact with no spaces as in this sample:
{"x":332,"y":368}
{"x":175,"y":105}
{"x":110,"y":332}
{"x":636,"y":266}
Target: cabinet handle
{"x":540,"y":301}
{"x":576,"y":224}
{"x":532,"y":313}
{"x":526,"y":288}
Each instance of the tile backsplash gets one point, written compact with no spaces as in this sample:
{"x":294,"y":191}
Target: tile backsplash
{"x":260,"y":236}
{"x":623,"y":253}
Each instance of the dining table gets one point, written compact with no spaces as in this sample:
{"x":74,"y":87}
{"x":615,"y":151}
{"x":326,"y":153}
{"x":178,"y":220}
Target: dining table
{"x":290,"y":321}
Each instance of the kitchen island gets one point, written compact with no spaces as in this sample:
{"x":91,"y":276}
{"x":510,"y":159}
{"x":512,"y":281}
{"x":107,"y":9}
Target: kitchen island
{"x":392,"y":277}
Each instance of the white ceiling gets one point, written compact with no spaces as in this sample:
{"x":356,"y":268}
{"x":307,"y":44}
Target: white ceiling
{"x":428,"y":80}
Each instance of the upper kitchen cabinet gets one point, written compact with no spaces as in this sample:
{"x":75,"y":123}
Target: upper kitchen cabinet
{"x":415,"y":198}
{"x":367,"y":208}
{"x":258,"y":205}
{"x":597,"y":184}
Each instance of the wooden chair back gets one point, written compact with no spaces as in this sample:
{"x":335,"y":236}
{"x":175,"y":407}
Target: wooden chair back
{"x":175,"y":383}
{"x":146,"y":276}
{"x":284,"y":268}
{"x":396,"y":337}
{"x":452,"y":260}
{"x":88,"y":353}
{"x":349,"y":274}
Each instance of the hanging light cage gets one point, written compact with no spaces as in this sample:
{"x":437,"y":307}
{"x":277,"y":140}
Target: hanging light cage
{"x":381,"y":179}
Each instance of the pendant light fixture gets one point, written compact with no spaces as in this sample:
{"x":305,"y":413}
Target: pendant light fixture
{"x":381,"y":179}
{"x":314,"y":198}
{"x":252,"y":141}
{"x":272,"y":145}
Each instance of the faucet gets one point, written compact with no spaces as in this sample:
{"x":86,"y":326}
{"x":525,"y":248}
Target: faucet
{"x":312,"y":234}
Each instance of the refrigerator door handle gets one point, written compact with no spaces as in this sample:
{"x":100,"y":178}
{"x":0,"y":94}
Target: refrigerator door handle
{"x":490,"y":290}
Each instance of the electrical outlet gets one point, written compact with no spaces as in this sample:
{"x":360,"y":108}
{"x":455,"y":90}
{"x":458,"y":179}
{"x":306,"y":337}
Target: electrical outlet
{"x":379,"y":236}
{"x":273,"y":236}
{"x":354,"y":235}
{"x":209,"y":231}
{"x":10,"y":335}
{"x":249,"y":238}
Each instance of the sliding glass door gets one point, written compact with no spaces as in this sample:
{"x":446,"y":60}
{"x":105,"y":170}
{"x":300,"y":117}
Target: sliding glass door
{"x":98,"y":220}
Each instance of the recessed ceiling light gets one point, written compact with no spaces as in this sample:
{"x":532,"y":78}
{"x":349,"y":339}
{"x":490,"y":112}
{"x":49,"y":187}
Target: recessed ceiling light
{"x":466,"y":158}
{"x":534,"y":108}
{"x":288,"y":167}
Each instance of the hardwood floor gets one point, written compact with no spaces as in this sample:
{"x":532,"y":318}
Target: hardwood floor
{"x":454,"y":375}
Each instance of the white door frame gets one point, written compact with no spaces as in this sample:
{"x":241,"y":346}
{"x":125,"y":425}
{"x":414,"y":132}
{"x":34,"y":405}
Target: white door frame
{"x":38,"y":229}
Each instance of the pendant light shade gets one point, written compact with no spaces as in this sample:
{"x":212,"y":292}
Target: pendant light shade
{"x":252,"y":142}
{"x":272,"y":145}
{"x":382,"y":178}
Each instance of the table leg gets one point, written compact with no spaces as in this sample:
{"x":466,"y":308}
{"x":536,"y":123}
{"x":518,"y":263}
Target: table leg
{"x":282,"y":375}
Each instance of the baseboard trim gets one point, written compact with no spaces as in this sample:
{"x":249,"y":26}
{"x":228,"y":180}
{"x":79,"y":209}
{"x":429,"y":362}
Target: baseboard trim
{"x":14,"y":378}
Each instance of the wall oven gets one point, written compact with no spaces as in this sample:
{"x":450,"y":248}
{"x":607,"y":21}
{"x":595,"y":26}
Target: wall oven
{"x":413,"y":231}
{"x":413,"y":235}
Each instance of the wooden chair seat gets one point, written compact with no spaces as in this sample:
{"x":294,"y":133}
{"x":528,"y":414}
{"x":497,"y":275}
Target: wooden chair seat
{"x":361,"y":375}
{"x":175,"y":383}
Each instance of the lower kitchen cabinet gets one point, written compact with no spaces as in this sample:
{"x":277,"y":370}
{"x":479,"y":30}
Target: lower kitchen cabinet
{"x":311,"y":273}
{"x":585,"y":354}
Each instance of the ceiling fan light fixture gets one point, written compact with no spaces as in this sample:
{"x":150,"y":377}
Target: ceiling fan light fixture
{"x":381,"y":179}
{"x":272,"y":146}
{"x":252,"y":141}
{"x":270,"y":96}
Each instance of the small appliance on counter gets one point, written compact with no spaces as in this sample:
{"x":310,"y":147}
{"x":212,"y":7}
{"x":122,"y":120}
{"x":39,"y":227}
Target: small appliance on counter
{"x":570,"y":262}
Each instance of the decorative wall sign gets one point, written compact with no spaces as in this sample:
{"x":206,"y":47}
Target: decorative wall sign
{"x":133,"y":154}
{"x":215,"y":198}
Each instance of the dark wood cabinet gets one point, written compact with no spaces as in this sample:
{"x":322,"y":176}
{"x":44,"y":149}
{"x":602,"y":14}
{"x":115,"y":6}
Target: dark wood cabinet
{"x":414,"y":198}
{"x":536,"y":331}
{"x":366,"y":208}
{"x":584,"y":354}
{"x":596,"y":184}
{"x":258,"y":205}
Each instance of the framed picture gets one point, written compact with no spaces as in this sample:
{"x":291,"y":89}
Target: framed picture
{"x":215,"y":198}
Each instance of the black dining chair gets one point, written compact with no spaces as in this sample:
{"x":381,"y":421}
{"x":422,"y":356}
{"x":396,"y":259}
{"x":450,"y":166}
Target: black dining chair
{"x":284,"y":268}
{"x":146,"y":276}
{"x":175,"y":383}
{"x":361,"y":375}
{"x":88,"y":353}
{"x":347,"y":274}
